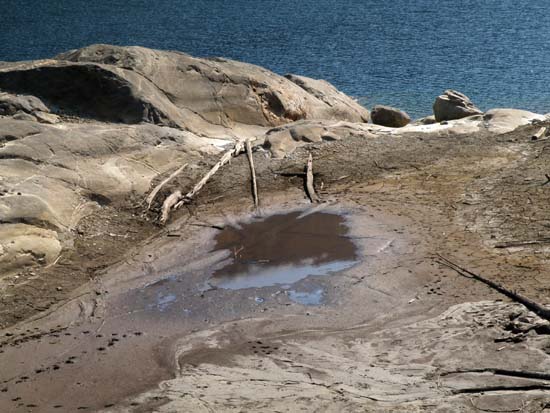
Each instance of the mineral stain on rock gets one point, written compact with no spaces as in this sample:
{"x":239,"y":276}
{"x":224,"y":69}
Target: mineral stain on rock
{"x":283,"y":249}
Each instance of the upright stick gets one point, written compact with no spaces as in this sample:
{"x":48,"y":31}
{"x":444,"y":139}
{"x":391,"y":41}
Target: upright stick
{"x":253,"y":172}
{"x":309,"y":180}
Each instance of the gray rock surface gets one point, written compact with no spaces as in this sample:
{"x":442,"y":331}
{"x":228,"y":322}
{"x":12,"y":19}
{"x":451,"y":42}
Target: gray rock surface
{"x":48,"y":118}
{"x":440,"y":364}
{"x":54,"y":166}
{"x":20,"y":115}
{"x":52,"y":175}
{"x":506,"y":120}
{"x":388,"y":116}
{"x":11,"y":104}
{"x":283,"y":140}
{"x":342,"y":106}
{"x":207,"y":96}
{"x":453,"y":105}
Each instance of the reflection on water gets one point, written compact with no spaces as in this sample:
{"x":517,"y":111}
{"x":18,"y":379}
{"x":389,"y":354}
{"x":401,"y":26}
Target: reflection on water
{"x":283,"y":249}
{"x":257,"y":276}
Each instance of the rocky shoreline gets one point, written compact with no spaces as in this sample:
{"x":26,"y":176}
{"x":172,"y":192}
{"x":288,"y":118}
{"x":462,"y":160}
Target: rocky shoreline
{"x":84,"y":138}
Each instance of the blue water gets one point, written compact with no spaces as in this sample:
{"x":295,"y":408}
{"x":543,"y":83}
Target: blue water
{"x":401,"y":52}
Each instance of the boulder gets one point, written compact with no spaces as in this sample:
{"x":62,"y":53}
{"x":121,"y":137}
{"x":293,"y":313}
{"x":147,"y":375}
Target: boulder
{"x":341,"y":106}
{"x":388,"y":116}
{"x":22,"y":245}
{"x":206,"y":96}
{"x":453,"y":105}
{"x":12,"y":104}
{"x":91,"y":90}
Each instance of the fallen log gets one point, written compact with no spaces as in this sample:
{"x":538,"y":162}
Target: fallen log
{"x":177,"y":200}
{"x":502,"y":372}
{"x":531,"y":305}
{"x":253,"y":173}
{"x":486,"y":389}
{"x":157,"y":189}
{"x":511,"y":244}
{"x":226,"y":157}
{"x":309,"y":180}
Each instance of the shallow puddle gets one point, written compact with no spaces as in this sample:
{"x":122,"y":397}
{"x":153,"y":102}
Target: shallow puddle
{"x":283,"y":249}
{"x":307,"y":298}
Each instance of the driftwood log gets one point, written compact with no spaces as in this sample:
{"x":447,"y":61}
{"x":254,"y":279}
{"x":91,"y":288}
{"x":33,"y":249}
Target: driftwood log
{"x":531,"y":305}
{"x":177,"y":199}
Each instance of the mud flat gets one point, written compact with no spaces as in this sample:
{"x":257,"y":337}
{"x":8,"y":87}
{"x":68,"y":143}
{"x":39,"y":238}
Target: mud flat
{"x":392,"y":331}
{"x":337,"y":305}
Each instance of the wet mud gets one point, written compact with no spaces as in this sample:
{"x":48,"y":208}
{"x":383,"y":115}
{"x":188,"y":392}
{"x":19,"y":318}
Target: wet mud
{"x":283,"y":249}
{"x":124,"y":339}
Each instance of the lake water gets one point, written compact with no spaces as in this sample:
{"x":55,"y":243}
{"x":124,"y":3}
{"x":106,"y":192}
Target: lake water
{"x":402,"y":53}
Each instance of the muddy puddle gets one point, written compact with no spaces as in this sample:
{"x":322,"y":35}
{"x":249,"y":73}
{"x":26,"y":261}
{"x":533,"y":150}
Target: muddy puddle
{"x":268,"y":267}
{"x":284,"y":249}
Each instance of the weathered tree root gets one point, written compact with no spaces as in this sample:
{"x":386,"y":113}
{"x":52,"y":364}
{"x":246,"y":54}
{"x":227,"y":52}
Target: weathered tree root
{"x":538,"y":309}
{"x":309,"y":180}
{"x":177,"y":199}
